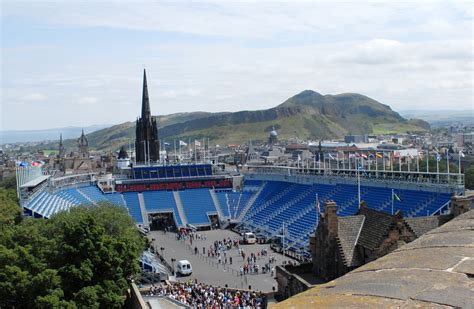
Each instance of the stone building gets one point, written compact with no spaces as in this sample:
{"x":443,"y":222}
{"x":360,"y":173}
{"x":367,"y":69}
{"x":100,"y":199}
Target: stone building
{"x":341,"y":244}
{"x":147,"y":145}
{"x":75,"y":161}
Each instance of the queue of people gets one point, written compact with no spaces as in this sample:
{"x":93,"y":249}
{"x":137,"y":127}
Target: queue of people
{"x":202,"y":296}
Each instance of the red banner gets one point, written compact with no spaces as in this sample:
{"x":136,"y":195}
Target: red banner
{"x":177,"y":185}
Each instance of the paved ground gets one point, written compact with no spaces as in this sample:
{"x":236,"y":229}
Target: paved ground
{"x":208,"y":270}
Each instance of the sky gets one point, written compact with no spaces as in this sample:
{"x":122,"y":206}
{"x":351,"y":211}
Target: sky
{"x":79,"y":63}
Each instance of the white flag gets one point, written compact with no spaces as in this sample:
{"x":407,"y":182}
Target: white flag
{"x":181,"y":143}
{"x":462,"y":154}
{"x":197,"y":143}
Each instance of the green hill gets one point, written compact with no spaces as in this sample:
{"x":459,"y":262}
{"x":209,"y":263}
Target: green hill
{"x":305,"y":115}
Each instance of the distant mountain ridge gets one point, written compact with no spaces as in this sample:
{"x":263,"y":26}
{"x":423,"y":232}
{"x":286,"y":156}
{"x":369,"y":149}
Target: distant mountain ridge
{"x":21,"y":136}
{"x":307,"y":115}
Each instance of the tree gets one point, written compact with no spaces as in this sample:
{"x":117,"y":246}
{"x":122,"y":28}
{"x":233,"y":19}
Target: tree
{"x":77,"y":258}
{"x":8,"y":182}
{"x":469,"y":177}
{"x":9,"y":208}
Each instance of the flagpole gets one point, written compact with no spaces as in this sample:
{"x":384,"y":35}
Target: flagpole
{"x":318,"y":207}
{"x":437,"y":166}
{"x":189,"y":148}
{"x":427,"y":158}
{"x":343,"y":161}
{"x":391,"y":162}
{"x":319,"y":162}
{"x":392,"y":202}
{"x":144,"y":151}
{"x":174,"y":144}
{"x":376,"y":163}
{"x":447,"y":162}
{"x":383,"y":160}
{"x":417,"y":163}
{"x":358,"y":185}
{"x":460,"y":152}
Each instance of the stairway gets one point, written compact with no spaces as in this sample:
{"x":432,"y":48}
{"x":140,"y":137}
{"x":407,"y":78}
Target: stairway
{"x":179,"y":205}
{"x":217,"y":204}
{"x":141,"y":201}
{"x":250,"y":203}
{"x":87,"y":198}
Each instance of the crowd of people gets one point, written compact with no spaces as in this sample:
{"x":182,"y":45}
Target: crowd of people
{"x":199,"y":295}
{"x":259,"y":262}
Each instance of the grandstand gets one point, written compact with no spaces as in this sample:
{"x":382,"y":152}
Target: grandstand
{"x":271,"y":204}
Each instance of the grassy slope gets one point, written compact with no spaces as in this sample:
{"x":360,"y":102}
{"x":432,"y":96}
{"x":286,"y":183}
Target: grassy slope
{"x":307,"y":115}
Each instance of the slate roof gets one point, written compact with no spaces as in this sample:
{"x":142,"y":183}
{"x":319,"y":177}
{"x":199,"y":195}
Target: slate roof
{"x":422,"y":225}
{"x":433,"y":271}
{"x":375,"y":228}
{"x":348,"y":232}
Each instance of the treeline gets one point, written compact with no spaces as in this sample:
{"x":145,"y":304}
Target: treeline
{"x":80,"y":258}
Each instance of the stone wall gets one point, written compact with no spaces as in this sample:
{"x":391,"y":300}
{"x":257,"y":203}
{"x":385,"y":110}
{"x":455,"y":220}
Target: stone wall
{"x":289,"y":282}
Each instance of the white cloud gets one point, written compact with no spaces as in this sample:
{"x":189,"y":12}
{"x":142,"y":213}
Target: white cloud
{"x":34,"y":97}
{"x":87,"y":100}
{"x":221,"y":56}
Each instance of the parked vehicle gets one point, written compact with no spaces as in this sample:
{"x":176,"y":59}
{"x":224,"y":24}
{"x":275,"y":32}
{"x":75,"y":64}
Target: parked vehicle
{"x":184,"y":268}
{"x":249,"y":238}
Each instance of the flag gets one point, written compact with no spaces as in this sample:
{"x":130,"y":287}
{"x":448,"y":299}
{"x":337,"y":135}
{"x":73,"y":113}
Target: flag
{"x":462,"y":154}
{"x":299,"y":158}
{"x":351,"y":155}
{"x":395,"y":197}
{"x":364,"y":156}
{"x":331,"y":157}
{"x":167,"y":144}
{"x":379,"y":155}
{"x":181,"y":143}
{"x":361,"y":168}
{"x":371,"y":156}
{"x":197,"y":143}
{"x":438,"y":157}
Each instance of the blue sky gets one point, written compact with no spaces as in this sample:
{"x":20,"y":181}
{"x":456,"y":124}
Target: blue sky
{"x":77,"y":63}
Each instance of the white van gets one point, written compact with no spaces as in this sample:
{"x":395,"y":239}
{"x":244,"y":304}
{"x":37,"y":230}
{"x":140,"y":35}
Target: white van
{"x":249,"y":238}
{"x":184,"y":268}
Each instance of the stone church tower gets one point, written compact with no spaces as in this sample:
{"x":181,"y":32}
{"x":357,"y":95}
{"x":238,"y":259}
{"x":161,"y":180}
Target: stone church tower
{"x":83,"y":146}
{"x":147,"y":145}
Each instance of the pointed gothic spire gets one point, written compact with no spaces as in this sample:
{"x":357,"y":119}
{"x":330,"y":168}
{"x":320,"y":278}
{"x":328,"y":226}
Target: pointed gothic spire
{"x":60,"y":139}
{"x":145,"y":101}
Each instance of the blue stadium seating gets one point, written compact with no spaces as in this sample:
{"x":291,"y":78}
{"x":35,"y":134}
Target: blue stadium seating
{"x":161,"y":201}
{"x":277,"y":203}
{"x":294,"y":205}
{"x":115,"y":198}
{"x":93,"y":193}
{"x":196,"y":204}
{"x":223,"y":198}
{"x":133,"y":205}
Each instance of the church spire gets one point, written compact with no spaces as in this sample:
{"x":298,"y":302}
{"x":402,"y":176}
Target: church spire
{"x":146,"y":114}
